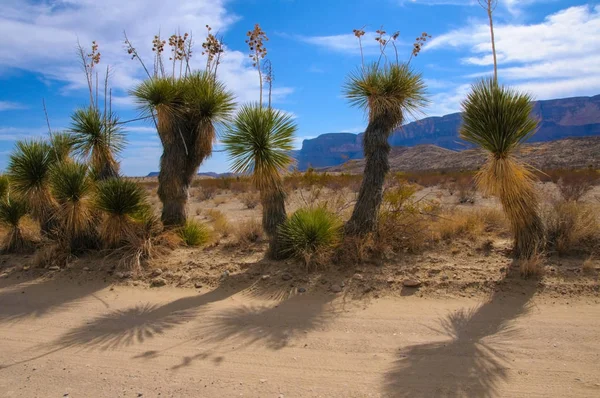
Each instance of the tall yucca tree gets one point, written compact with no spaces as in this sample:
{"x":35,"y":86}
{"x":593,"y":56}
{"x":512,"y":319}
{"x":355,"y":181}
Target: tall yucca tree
{"x":388,"y":94}
{"x":259,"y":141}
{"x":498,"y":119}
{"x":72,"y":187}
{"x":187,"y":111}
{"x":98,"y":139}
{"x":121,"y":202}
{"x":29,"y":169}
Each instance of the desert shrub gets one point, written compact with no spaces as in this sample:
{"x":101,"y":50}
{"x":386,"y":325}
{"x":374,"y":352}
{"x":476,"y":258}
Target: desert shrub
{"x":404,"y":220}
{"x":146,"y":241}
{"x":248,"y":232}
{"x":250,"y":199}
{"x":120,"y":201}
{"x":72,"y":187}
{"x":220,"y":222}
{"x":310,"y":234}
{"x":194,"y":233}
{"x":572,"y":227}
{"x":12,"y":211}
{"x":241,"y":185}
{"x":469,"y":224}
{"x":466,"y":189}
{"x":573,"y":186}
{"x":206,"y":193}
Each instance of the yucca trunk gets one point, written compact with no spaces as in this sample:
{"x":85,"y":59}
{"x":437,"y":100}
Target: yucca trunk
{"x":273,"y":216}
{"x":43,"y":210}
{"x":179,"y":164}
{"x":512,"y":183}
{"x":376,"y":151}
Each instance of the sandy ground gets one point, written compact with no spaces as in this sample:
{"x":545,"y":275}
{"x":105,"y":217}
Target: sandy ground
{"x":100,"y":340}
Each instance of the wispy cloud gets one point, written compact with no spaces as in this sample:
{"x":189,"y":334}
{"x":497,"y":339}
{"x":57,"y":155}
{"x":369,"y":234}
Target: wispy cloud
{"x":43,"y":36}
{"x":10,"y":106}
{"x":554,"y":58}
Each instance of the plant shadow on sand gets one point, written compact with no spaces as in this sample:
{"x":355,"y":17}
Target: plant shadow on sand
{"x":473,"y":361}
{"x":290,"y":313}
{"x":36,"y":298}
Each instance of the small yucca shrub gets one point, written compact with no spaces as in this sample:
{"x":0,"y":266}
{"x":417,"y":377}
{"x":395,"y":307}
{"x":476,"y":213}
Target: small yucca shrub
{"x":72,"y":187}
{"x":120,"y":201}
{"x":12,"y":211}
{"x":29,"y":169}
{"x":193,"y":233}
{"x":310,"y":234}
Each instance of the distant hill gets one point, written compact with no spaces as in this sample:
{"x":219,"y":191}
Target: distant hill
{"x":559,"y":118}
{"x":568,"y":153}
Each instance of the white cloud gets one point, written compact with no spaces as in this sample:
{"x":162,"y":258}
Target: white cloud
{"x":41,"y":38}
{"x":513,"y":6}
{"x":346,"y":43}
{"x":557,"y":57}
{"x":10,"y":106}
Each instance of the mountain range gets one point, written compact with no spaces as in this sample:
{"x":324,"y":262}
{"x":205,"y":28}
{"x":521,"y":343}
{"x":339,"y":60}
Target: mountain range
{"x":559,"y":118}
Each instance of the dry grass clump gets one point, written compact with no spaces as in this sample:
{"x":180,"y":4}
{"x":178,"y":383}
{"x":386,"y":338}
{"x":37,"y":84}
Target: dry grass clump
{"x":572,"y":227}
{"x":531,"y":267}
{"x":470,"y":224}
{"x":194,"y":233}
{"x":219,"y":221}
{"x":248,"y":232}
{"x":575,"y":185}
{"x":51,"y":255}
{"x":250,"y":199}
{"x":588,"y":266}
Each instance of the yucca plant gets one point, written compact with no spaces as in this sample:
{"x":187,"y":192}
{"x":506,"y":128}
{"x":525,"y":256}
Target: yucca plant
{"x":387,"y":93}
{"x":310,"y":232}
{"x":498,"y":119}
{"x":120,"y":202}
{"x":73,"y":188}
{"x":187,"y":111}
{"x":29,"y":172}
{"x":4,"y":186}
{"x":61,"y":146}
{"x":193,"y":233}
{"x":98,"y":139}
{"x":12,"y":211}
{"x":259,"y":141}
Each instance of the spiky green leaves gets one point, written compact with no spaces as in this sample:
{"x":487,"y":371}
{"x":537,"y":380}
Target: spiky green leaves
{"x":497,"y":118}
{"x":193,"y":233}
{"x":12,"y":210}
{"x":71,"y":182}
{"x":97,"y":138}
{"x":119,"y":197}
{"x":4,"y":186}
{"x":390,"y":92}
{"x":194,"y":100}
{"x":121,"y":201}
{"x":61,"y":146}
{"x":310,"y":231}
{"x":259,"y":141}
{"x":29,"y":166}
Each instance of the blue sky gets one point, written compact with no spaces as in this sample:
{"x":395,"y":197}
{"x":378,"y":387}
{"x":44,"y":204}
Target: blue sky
{"x":549,"y":48}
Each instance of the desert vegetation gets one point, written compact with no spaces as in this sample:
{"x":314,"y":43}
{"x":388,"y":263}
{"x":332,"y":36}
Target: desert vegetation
{"x":64,"y":194}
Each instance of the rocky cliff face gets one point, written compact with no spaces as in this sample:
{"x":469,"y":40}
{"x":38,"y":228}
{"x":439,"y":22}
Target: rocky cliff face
{"x":560,"y":118}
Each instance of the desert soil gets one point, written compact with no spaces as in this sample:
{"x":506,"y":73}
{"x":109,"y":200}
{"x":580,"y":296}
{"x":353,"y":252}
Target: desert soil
{"x":100,"y":339}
